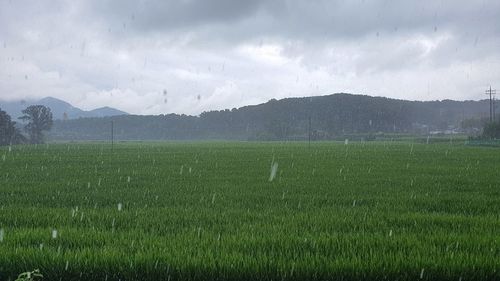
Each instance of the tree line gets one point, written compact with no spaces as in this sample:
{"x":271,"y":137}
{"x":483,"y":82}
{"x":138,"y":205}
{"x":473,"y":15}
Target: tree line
{"x":36,"y":118}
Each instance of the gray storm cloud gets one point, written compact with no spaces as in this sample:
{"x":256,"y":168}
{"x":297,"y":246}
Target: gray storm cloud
{"x":153,"y":57}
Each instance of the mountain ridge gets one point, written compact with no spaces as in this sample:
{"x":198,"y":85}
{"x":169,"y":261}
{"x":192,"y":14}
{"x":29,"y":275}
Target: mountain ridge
{"x":324,"y":117}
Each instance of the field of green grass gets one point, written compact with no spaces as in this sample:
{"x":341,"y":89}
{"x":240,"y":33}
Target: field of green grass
{"x":251,"y":211}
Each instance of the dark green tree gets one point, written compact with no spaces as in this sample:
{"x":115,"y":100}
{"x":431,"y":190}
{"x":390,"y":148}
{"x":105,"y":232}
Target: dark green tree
{"x":492,"y":130}
{"x":39,"y":119}
{"x":9,"y":134}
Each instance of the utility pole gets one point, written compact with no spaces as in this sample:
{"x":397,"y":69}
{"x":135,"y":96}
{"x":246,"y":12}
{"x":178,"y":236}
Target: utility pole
{"x":112,"y":134}
{"x":309,"y":131}
{"x":491,"y":93}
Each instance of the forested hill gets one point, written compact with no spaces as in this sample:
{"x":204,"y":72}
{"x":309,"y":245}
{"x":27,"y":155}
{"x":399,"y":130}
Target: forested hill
{"x":329,"y":116}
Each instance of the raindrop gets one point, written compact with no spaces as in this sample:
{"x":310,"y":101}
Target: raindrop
{"x":422,"y":273}
{"x":82,"y":49}
{"x":54,"y":233}
{"x":346,"y":141}
{"x":213,"y":198}
{"x":120,"y":206}
{"x":274,"y":169}
{"x":2,"y":234}
{"x":390,"y":233}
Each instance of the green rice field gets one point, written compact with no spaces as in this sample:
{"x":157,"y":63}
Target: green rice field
{"x":251,"y":211}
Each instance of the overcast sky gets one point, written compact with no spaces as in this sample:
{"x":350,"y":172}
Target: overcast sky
{"x":189,"y":56}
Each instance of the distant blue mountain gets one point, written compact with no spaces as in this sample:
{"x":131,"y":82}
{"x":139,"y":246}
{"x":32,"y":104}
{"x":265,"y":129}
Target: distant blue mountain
{"x":60,"y":109}
{"x":105,"y":112}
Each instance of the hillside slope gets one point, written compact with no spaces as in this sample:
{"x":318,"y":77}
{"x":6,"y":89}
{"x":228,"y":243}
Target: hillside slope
{"x":329,"y":117}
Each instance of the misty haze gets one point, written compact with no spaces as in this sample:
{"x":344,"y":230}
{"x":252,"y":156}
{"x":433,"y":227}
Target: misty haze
{"x":249,"y":140}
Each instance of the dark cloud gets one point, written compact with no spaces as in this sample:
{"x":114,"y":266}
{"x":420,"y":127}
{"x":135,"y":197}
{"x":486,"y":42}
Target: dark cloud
{"x":299,"y":19}
{"x":169,"y":15}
